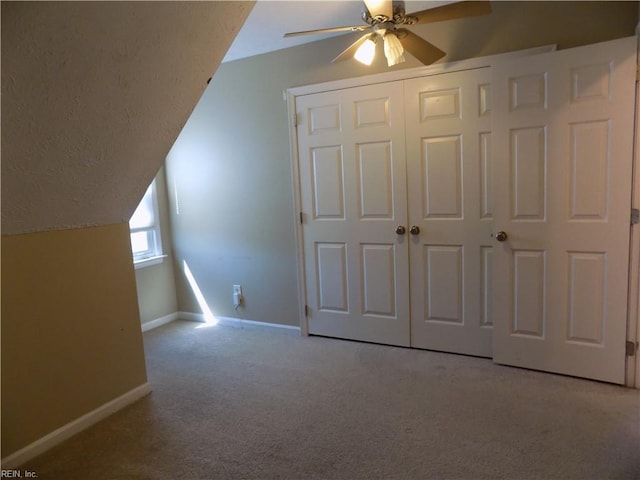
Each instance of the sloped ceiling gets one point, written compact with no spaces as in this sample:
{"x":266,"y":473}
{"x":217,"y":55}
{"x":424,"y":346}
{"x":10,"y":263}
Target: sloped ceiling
{"x":93,"y":96}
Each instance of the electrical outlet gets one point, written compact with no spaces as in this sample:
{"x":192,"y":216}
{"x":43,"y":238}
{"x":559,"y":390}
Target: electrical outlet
{"x":237,"y":296}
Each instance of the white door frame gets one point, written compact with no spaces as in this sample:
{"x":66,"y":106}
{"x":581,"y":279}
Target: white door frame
{"x":633,"y":320}
{"x":633,"y":327}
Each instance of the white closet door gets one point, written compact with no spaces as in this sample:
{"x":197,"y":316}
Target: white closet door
{"x":562,"y":144}
{"x":450,"y":201}
{"x":353,"y":186}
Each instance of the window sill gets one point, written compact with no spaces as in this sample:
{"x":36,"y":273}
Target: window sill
{"x":147,"y":262}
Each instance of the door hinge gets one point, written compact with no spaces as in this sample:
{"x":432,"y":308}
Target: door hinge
{"x":631,"y":348}
{"x":306,"y":310}
{"x":635,"y":216}
{"x":301,"y":218}
{"x":295,"y":119}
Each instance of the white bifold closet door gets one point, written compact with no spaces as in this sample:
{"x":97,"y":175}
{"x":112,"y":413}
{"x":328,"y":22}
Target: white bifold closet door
{"x":359,"y":149}
{"x":351,"y":153}
{"x":563,"y":152}
{"x":448,"y":130}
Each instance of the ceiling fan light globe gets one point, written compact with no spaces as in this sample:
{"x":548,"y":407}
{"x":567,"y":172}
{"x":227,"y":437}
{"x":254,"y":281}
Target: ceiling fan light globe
{"x":393,"y":49}
{"x":366,"y":52}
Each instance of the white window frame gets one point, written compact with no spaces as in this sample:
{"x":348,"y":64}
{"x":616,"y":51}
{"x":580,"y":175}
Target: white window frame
{"x":154,"y":254}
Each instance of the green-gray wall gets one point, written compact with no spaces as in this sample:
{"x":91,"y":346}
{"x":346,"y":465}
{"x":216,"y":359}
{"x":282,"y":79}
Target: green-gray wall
{"x":229,"y":172}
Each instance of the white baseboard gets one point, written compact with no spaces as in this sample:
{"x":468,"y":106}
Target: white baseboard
{"x":241,"y":323}
{"x":191,"y":317}
{"x":58,"y":436}
{"x":158,"y":322}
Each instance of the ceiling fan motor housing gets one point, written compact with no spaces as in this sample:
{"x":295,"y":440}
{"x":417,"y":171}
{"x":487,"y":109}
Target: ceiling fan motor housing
{"x":399,"y":17}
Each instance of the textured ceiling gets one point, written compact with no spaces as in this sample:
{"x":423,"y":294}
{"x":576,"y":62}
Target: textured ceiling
{"x":93,"y":96}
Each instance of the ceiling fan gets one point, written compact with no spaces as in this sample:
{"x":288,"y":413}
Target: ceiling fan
{"x":386,"y":19}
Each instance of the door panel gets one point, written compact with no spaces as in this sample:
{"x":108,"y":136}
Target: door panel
{"x":353,"y":184}
{"x":529,"y":167}
{"x":449,"y":168}
{"x":442,"y":167}
{"x":586,"y":297}
{"x":528,"y":293}
{"x":327,"y":182}
{"x":331,"y":270}
{"x":562,"y":143}
{"x":375,"y":174}
{"x":444,"y":278}
{"x":590,"y":159}
{"x":378,"y":280}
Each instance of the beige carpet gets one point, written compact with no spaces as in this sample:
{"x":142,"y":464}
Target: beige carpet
{"x":231,"y":403}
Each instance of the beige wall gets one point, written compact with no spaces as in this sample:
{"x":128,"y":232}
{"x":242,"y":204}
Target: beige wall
{"x":230,"y":167}
{"x":71,"y":336}
{"x":156,"y":283}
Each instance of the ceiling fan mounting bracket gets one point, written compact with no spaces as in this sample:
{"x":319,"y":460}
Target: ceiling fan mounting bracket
{"x":366,"y":17}
{"x":399,"y":17}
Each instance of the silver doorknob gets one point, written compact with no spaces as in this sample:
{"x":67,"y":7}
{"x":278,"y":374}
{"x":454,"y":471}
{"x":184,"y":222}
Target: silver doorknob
{"x":400,"y":230}
{"x":501,"y":236}
{"x":414,"y":230}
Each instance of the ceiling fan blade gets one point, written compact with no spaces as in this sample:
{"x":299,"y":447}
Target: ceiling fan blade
{"x":424,"y":51}
{"x":453,"y":11}
{"x":350,"y":51}
{"x":352,"y":28}
{"x":379,"y":7}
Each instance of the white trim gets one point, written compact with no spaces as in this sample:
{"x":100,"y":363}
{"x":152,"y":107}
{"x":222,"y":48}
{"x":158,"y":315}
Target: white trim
{"x":408,"y":73}
{"x":191,"y":317}
{"x":240,"y":323}
{"x":56,"y":437}
{"x":147,"y":262}
{"x":632,"y":378}
{"x":158,"y":322}
{"x":297,"y":205}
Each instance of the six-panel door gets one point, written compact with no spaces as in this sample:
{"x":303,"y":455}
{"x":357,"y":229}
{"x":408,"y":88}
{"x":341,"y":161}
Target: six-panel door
{"x":448,"y":125}
{"x":563,"y":151}
{"x":353,"y":189}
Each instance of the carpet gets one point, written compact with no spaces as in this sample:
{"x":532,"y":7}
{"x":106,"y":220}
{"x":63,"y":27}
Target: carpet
{"x":231,"y":403}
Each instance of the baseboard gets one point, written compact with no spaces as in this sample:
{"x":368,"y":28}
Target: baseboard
{"x":158,"y":322}
{"x":241,"y":323}
{"x":65,"y":432}
{"x":191,"y":317}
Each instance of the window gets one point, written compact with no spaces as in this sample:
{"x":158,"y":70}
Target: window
{"x":144,"y":225}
